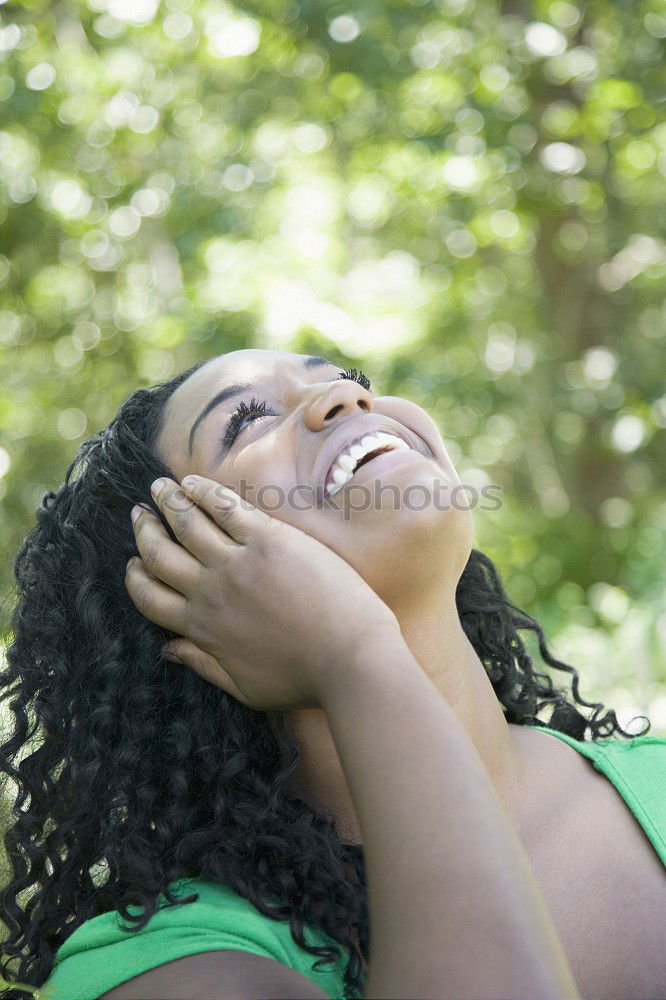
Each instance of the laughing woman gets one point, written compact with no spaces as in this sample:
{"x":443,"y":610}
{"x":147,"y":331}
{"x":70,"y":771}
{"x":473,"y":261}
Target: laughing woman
{"x":343,"y":785}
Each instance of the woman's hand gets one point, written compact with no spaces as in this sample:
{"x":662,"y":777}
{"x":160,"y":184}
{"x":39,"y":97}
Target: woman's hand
{"x":267,"y":613}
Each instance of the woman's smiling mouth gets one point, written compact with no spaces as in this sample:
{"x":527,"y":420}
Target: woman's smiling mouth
{"x":356,"y":453}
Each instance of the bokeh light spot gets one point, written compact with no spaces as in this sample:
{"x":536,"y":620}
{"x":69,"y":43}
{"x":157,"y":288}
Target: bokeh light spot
{"x":40,"y":77}
{"x":562,"y":158}
{"x":71,"y":423}
{"x":344,"y":28}
{"x":628,"y":433}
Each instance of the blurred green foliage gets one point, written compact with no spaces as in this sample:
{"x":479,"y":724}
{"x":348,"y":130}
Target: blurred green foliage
{"x":464,"y":198}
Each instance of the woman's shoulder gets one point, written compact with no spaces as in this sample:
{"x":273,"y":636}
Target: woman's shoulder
{"x":199,"y":977}
{"x":635,"y":767}
{"x":105,"y":951}
{"x":648,"y":747}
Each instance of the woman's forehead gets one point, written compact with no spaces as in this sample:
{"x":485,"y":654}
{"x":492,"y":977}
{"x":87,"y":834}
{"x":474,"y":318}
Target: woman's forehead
{"x":237,"y":366}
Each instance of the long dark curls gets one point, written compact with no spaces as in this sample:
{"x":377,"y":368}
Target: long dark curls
{"x":132,"y":774}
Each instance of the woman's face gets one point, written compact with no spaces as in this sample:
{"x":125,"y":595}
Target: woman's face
{"x":392,"y":520}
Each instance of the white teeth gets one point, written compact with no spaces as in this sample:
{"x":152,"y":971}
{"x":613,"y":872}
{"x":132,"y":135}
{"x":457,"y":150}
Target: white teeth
{"x":340,"y":476}
{"x":386,"y":438}
{"x":391,"y":439}
{"x":347,"y":463}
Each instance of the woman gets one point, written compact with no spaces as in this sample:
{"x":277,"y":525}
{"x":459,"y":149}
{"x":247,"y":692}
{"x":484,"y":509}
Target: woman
{"x":378,"y":712}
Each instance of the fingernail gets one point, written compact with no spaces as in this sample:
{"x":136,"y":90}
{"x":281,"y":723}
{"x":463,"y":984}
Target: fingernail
{"x":157,"y":487}
{"x":169,"y":655}
{"x":135,"y":511}
{"x":188,"y":482}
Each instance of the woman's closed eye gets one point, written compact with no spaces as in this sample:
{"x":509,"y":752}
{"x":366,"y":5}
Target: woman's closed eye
{"x":240,"y":414}
{"x":257,"y":409}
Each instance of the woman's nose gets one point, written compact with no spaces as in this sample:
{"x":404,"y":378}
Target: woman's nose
{"x":343,"y":398}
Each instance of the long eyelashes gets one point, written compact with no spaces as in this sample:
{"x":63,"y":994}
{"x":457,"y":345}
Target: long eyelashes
{"x":257,"y":409}
{"x":242,"y":411}
{"x":357,"y":375}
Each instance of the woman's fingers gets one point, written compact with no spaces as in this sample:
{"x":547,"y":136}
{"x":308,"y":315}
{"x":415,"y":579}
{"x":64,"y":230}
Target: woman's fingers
{"x":237,"y":517}
{"x":191,"y":526}
{"x":184,"y":651}
{"x":162,"y":558}
{"x":154,"y":600}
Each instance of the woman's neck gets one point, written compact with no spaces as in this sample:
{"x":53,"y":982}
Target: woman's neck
{"x":439,"y":644}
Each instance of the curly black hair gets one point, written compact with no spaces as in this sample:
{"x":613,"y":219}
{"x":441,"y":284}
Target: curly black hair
{"x":130,"y":776}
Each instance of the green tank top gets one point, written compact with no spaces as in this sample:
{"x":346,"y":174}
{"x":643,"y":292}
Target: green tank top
{"x":98,"y":955}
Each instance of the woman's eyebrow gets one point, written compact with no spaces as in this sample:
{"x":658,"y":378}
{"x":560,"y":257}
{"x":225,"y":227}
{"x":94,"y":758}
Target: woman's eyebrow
{"x":315,"y":362}
{"x":235,"y":390}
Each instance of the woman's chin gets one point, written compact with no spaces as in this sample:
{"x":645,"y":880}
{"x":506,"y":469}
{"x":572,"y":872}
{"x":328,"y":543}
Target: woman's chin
{"x":423,"y":527}
{"x":418,"y":492}
{"x":434,"y":529}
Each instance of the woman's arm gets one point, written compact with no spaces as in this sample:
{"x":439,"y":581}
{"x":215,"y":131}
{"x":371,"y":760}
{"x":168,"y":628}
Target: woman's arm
{"x":455,"y":909}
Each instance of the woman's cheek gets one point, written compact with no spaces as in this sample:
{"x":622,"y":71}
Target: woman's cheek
{"x":267,"y":484}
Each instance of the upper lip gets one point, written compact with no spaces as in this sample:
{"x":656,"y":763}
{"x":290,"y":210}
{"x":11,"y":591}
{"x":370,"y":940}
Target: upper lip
{"x":343,"y":436}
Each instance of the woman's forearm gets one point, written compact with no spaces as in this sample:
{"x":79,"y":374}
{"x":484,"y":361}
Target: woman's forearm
{"x":455,"y":909}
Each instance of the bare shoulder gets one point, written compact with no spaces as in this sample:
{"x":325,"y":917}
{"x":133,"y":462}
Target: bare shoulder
{"x":218,"y":975}
{"x":584,"y":844}
{"x":579,"y":817}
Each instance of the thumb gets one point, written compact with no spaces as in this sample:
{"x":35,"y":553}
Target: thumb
{"x":184,"y":651}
